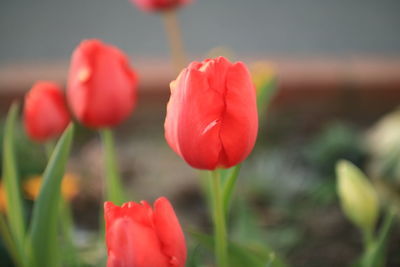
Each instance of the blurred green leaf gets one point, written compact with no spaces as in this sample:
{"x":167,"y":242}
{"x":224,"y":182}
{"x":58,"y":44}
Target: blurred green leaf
{"x":15,"y":210}
{"x":240,"y":255}
{"x":336,"y":141}
{"x":8,"y":241}
{"x":264,"y":95}
{"x":43,"y":232}
{"x":193,"y":257}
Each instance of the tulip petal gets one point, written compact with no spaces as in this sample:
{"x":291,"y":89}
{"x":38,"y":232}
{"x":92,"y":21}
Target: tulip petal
{"x":131,"y":239}
{"x":212,"y":114}
{"x":159,"y":5}
{"x":101,"y":88}
{"x":193,"y":120}
{"x":133,"y":244}
{"x":45,"y":113}
{"x":239,"y":127}
{"x":173,"y":109}
{"x":169,"y":232}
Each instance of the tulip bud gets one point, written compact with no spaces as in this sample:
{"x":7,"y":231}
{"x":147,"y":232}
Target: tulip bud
{"x":140,"y":236}
{"x":357,"y":195}
{"x":159,"y":5}
{"x":45,"y":113}
{"x":101,"y":85}
{"x":212,"y":117}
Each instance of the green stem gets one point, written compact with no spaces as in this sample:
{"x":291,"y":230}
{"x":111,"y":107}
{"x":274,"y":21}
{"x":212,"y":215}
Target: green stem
{"x":175,"y":40}
{"x":375,"y":253}
{"x":229,"y":185}
{"x":221,"y":248}
{"x":368,"y":239}
{"x":387,"y":225}
{"x":114,"y":189}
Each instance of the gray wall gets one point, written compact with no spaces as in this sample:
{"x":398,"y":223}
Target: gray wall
{"x":50,"y":29}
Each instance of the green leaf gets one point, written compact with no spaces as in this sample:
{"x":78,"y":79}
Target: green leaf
{"x":43,"y":232}
{"x":241,"y":255}
{"x":8,"y":241}
{"x":229,"y":178}
{"x":15,"y":211}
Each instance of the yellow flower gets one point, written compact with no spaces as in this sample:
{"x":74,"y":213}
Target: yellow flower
{"x":3,"y":199}
{"x":263,"y":73}
{"x":69,"y":186}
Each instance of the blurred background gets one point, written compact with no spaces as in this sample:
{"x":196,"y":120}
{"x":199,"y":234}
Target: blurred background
{"x":333,"y":69}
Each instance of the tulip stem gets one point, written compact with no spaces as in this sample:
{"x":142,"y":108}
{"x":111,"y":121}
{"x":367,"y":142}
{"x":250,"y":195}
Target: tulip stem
{"x":174,"y":37}
{"x":114,"y":189}
{"x":220,"y":235}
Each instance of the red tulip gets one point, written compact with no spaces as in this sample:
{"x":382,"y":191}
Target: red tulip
{"x":45,"y":113}
{"x":101,"y":85}
{"x":212,"y":114}
{"x":138,"y":236}
{"x":159,"y":5}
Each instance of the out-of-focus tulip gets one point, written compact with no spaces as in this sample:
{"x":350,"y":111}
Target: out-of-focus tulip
{"x":45,"y":113}
{"x":69,"y":186}
{"x":159,"y":5}
{"x":139,"y":236}
{"x":212,"y":117}
{"x":357,"y":195}
{"x":101,"y":85}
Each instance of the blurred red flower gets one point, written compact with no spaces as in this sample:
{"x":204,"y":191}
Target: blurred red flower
{"x":159,"y":5}
{"x":101,"y":85}
{"x":138,"y":236}
{"x":45,"y":112}
{"x":212,"y":114}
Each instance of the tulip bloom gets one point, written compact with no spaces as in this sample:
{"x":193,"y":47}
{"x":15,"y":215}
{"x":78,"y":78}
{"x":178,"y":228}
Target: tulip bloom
{"x":212,"y":114}
{"x":45,"y":112}
{"x":138,"y":236}
{"x":101,"y":85}
{"x":159,"y":5}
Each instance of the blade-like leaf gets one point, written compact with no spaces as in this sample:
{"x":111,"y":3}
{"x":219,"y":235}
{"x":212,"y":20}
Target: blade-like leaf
{"x":229,"y":179}
{"x":15,"y":211}
{"x":43,"y":232}
{"x":8,"y":241}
